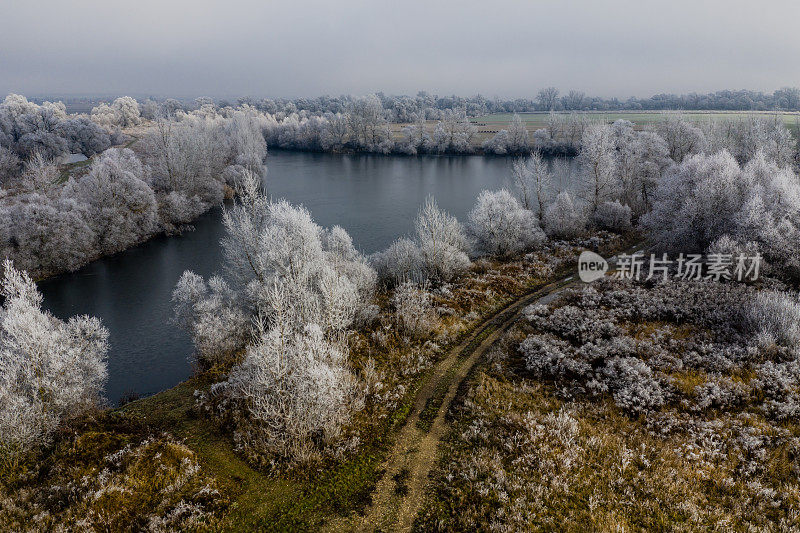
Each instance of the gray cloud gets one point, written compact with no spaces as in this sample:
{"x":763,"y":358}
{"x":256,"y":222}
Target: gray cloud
{"x":307,"y":48}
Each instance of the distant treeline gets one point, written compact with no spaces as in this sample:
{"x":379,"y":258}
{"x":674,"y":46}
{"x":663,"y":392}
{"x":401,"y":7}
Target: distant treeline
{"x":402,"y":108}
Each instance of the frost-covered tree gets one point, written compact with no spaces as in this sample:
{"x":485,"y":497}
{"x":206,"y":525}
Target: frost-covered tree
{"x":518,"y":137}
{"x":744,"y":137}
{"x":303,"y":287}
{"x":10,"y":165}
{"x":47,"y":235}
{"x":193,"y":155}
{"x":547,"y":98}
{"x":416,"y":138}
{"x":694,"y":202}
{"x":121,"y":207}
{"x":613,"y":216}
{"x":598,"y":162}
{"x":27,"y":128}
{"x":708,"y":197}
{"x":123,"y":112}
{"x":501,"y":226}
{"x":563,"y":219}
{"x":682,"y":137}
{"x":274,"y":242}
{"x":209,"y":311}
{"x":335,"y":132}
{"x":442,"y":242}
{"x":84,"y":136}
{"x":573,"y":100}
{"x":533,"y":181}
{"x":50,"y":370}
{"x":297,"y":389}
{"x":497,"y":144}
{"x":40,"y":173}
{"x":651,"y":158}
{"x":245,"y":141}
{"x":454,"y":133}
{"x":368,"y":128}
{"x":400,"y":262}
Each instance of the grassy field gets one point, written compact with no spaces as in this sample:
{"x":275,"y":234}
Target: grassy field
{"x":537,"y":120}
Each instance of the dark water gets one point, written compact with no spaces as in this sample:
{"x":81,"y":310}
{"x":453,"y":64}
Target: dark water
{"x":375,"y":198}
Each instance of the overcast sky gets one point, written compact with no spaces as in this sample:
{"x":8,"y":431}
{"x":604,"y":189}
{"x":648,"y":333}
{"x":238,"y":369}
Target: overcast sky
{"x":308,"y":48}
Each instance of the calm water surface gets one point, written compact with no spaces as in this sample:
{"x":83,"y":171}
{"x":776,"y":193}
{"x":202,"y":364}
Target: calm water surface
{"x":375,"y":198}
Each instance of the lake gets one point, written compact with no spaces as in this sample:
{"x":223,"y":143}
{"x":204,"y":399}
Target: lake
{"x":375,"y":198}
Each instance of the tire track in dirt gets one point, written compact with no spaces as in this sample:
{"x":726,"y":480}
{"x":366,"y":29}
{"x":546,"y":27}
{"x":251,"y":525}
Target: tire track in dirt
{"x":398,"y":495}
{"x":400,"y":492}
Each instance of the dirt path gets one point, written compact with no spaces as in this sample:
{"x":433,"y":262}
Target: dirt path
{"x":400,"y":492}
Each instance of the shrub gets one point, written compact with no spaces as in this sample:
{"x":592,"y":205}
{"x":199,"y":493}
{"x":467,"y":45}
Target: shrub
{"x":501,"y":226}
{"x":613,"y":216}
{"x":210,"y":312}
{"x":414,"y":311}
{"x":442,"y":243}
{"x":563,"y":220}
{"x":776,"y":317}
{"x":401,"y":261}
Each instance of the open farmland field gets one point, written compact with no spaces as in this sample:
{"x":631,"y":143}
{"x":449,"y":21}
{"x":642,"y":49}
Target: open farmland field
{"x":536,"y":120}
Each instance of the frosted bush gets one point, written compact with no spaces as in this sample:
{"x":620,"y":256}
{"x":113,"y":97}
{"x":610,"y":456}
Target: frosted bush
{"x":563,"y":219}
{"x":613,"y":216}
{"x":176,"y":209}
{"x":722,"y":393}
{"x":297,"y":390}
{"x":438,"y":253}
{"x":442,"y":243}
{"x":634,"y":386}
{"x":210,"y":312}
{"x":627,"y":340}
{"x":498,"y":144}
{"x":776,"y":316}
{"x":552,"y":357}
{"x":501,"y":226}
{"x":50,"y":370}
{"x":401,"y":261}
{"x":123,"y":112}
{"x":414,"y":310}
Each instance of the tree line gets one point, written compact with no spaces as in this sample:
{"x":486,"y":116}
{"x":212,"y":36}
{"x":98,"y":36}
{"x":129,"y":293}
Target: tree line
{"x":403,"y":108}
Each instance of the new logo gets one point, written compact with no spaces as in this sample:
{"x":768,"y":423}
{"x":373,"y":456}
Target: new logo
{"x":591,"y":267}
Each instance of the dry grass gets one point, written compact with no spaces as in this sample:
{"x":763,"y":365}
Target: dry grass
{"x":111,"y":474}
{"x":523,"y":457}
